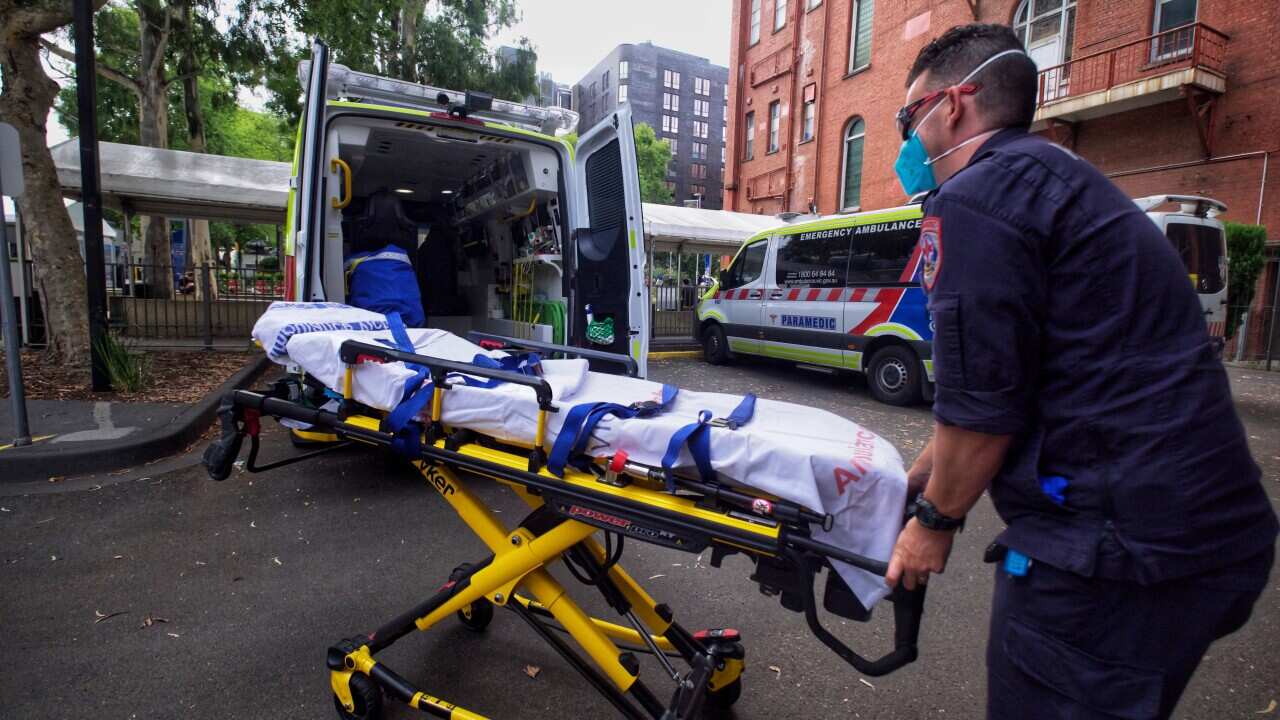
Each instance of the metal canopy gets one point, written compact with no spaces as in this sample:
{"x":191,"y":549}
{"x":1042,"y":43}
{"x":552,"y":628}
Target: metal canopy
{"x":174,"y":183}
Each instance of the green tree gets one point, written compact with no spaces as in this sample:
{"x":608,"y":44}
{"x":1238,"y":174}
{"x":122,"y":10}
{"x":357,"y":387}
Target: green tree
{"x":652,"y":158}
{"x":1246,"y":248}
{"x":436,"y":42}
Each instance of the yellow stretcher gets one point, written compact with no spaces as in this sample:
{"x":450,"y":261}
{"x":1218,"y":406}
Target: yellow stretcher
{"x":615,"y":498}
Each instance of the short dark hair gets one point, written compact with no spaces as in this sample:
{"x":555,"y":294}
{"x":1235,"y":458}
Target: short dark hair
{"x":1008,"y":95}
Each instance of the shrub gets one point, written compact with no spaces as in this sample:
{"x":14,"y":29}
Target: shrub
{"x":1246,"y":245}
{"x":126,"y":369}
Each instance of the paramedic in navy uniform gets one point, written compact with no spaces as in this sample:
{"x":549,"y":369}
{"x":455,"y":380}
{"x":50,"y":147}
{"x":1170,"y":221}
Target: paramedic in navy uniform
{"x":1077,"y":383}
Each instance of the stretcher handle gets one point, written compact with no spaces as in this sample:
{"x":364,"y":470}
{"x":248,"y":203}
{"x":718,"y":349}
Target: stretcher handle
{"x":908,"y":611}
{"x":626,"y":361}
{"x":354,"y":351}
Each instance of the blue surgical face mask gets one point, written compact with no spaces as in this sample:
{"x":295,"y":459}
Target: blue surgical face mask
{"x":914,"y":167}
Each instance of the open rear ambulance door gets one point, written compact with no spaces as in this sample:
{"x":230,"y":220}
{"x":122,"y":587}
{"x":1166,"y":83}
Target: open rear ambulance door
{"x":308,"y":186}
{"x":608,"y":253}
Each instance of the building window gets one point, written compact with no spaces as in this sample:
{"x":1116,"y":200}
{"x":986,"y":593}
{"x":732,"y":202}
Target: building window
{"x":779,"y":14}
{"x":755,"y":22}
{"x":698,"y":170}
{"x":860,"y":34}
{"x":699,"y":151}
{"x":699,"y":190}
{"x":670,"y":124}
{"x":624,"y":70}
{"x":851,"y":186}
{"x":701,"y":86}
{"x":1048,"y":31}
{"x":701,"y":129}
{"x":701,"y":108}
{"x":670,"y":186}
{"x":1171,"y":14}
{"x":749,"y":142}
{"x":806,"y":127}
{"x":775,"y":119}
{"x":622,"y":94}
{"x":722,"y":157}
{"x":604,"y":82}
{"x":671,"y":102}
{"x":675,"y":146}
{"x":671,"y":79}
{"x":811,"y":4}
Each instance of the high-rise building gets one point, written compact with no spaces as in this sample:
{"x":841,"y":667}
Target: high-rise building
{"x":681,"y":96}
{"x":1164,"y":96}
{"x":552,"y":93}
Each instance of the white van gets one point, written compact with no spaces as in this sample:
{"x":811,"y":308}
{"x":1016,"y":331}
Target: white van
{"x":1201,"y":240}
{"x":510,"y":229}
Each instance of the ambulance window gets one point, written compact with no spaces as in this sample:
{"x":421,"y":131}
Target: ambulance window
{"x":813,"y":260}
{"x":878,"y":258}
{"x":1200,"y":248}
{"x":746,"y":268}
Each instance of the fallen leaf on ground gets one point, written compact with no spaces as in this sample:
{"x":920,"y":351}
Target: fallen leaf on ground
{"x":1271,"y":707}
{"x":864,"y":682}
{"x":777,"y":670}
{"x":41,"y":522}
{"x":117,"y":557}
{"x":173,"y":634}
{"x":655,"y":577}
{"x":532,"y":670}
{"x":57,"y":478}
{"x":276,"y":560}
{"x":108,"y":616}
{"x":150,"y":620}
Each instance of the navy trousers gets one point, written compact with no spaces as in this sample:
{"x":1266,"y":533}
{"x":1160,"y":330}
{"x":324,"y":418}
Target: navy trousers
{"x":1067,"y":647}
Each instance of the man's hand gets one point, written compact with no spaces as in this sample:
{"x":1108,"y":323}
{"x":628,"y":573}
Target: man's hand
{"x":919,"y":551}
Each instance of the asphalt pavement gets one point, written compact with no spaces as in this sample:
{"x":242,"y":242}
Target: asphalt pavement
{"x":157,"y":593}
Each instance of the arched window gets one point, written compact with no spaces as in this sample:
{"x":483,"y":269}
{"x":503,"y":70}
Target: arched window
{"x":1047,"y":28}
{"x":851,"y":185}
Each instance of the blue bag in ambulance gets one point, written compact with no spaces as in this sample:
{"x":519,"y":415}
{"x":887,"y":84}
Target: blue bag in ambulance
{"x":383,"y":281}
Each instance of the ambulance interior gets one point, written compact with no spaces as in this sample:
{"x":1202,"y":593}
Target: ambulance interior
{"x":480,"y":215}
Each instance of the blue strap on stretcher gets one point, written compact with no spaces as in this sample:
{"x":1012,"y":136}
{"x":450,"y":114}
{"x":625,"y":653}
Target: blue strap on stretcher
{"x":697,"y":437}
{"x":401,"y":422}
{"x":582,"y":419}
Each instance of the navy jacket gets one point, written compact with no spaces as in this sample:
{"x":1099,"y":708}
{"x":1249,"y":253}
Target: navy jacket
{"x":1064,"y":317}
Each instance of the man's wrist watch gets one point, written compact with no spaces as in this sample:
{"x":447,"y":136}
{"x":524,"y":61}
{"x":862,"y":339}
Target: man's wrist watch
{"x":927,"y":515}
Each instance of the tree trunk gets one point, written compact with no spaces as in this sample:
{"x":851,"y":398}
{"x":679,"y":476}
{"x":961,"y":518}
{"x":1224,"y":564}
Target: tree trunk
{"x":153,"y":130}
{"x":27,"y":95}
{"x":199,"y":245}
{"x":410,"y":14}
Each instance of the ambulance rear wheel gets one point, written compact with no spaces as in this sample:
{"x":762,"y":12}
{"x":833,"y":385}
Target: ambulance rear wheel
{"x":715,"y":346}
{"x":365,"y":695}
{"x":893,"y":376}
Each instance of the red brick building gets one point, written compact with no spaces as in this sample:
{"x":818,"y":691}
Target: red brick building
{"x":1165,"y":96}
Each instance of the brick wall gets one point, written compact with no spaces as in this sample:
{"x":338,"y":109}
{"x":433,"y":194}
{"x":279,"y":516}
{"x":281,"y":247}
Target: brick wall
{"x":1248,"y":114}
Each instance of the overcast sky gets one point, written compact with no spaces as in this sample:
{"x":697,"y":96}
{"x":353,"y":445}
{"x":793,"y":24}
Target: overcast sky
{"x":571,"y":37}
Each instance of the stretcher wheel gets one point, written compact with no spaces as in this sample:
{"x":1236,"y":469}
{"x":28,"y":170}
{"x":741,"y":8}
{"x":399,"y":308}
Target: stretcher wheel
{"x":718,"y":703}
{"x":477,"y":615}
{"x":367,"y":697}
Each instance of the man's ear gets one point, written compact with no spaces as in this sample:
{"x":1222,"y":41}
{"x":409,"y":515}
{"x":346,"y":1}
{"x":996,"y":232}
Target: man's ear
{"x":955,"y":107}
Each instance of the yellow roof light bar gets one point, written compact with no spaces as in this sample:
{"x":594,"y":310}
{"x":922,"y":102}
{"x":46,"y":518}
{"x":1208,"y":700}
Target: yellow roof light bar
{"x":348,"y":84}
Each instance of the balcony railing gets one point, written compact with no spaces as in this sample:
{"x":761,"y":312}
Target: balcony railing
{"x":767,"y":185}
{"x":771,"y":66}
{"x":1194,"y":46}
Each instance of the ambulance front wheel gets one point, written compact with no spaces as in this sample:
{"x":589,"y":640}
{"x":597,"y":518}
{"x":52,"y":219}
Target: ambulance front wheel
{"x":715,"y":346}
{"x":893,"y":376}
{"x":365,"y":695}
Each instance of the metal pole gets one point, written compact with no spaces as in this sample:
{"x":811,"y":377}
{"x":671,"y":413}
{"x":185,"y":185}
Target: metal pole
{"x":90,"y":190}
{"x":13,"y":360}
{"x":1271,"y":323}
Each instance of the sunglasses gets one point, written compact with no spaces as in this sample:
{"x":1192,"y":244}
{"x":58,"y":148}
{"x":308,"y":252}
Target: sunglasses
{"x":908,"y":112}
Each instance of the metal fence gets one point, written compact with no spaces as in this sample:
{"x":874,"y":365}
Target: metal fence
{"x":672,"y":310}
{"x":1256,"y":337}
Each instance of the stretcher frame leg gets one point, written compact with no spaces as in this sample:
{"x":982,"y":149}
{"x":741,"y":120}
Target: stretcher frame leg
{"x":519,"y":560}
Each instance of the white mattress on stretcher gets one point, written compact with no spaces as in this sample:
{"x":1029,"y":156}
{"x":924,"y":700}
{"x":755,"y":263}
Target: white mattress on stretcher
{"x":802,"y":454}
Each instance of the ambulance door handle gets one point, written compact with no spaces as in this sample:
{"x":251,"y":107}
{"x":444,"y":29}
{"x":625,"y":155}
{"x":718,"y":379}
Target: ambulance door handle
{"x":776,"y":295}
{"x":753,"y":294}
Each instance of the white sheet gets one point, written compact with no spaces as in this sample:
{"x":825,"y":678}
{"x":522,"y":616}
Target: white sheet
{"x":802,"y":454}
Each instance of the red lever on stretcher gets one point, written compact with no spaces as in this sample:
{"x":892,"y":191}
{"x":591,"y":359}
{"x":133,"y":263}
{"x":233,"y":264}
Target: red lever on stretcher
{"x":492,"y":344}
{"x":618,"y":462}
